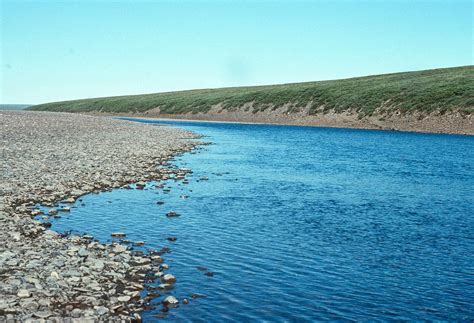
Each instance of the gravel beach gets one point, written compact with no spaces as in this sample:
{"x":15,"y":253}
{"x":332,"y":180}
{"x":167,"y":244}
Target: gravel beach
{"x":50,"y":157}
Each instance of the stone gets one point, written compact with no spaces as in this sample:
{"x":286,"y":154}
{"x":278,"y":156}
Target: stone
{"x":52,"y":211}
{"x":76,"y":313}
{"x":119,"y":248}
{"x":23,"y":293}
{"x":168,"y":279}
{"x":170,"y":300}
{"x":172,"y":214}
{"x":165,"y":286}
{"x":101,"y":310}
{"x":124,"y":299}
{"x":54,"y":275}
{"x":118,"y":235}
{"x":42,"y":314}
{"x":70,"y":200}
{"x":83,"y":252}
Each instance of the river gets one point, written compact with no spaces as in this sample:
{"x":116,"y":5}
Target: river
{"x":306,"y":223}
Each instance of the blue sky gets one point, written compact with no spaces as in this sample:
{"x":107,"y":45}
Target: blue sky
{"x":53,"y":50}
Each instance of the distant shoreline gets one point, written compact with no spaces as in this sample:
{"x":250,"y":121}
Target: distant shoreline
{"x":449,"y":123}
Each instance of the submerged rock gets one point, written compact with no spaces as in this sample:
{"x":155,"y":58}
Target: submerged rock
{"x":172,"y":214}
{"x":170,"y":300}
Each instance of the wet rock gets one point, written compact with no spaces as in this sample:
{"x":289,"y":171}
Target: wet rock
{"x":160,"y":202}
{"x":118,"y":235}
{"x":172,"y":214}
{"x":52,"y":211}
{"x":209,"y":274}
{"x":168,"y":279}
{"x":172,"y":238}
{"x":185,"y":301}
{"x":139,"y":243}
{"x":119,"y":248}
{"x":170,"y":300}
{"x":197,"y":295}
{"x":165,"y":286}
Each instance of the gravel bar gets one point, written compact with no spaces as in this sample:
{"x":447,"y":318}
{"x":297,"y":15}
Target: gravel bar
{"x":50,"y":157}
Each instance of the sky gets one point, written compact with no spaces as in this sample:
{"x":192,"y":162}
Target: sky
{"x":62,"y":50}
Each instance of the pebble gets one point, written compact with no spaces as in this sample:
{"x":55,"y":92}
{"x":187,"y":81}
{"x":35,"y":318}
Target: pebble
{"x":23,"y":293}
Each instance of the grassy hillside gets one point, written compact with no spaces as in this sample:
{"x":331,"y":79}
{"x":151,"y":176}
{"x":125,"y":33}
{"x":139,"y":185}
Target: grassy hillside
{"x":431,"y":90}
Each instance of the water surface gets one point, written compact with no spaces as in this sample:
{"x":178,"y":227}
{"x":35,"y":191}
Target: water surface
{"x":304,"y":224}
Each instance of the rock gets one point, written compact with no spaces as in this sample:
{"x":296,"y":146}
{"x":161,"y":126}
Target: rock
{"x":140,"y":185}
{"x":70,"y":200}
{"x":83,"y":252}
{"x":165,"y":286}
{"x":185,"y":301}
{"x":160,"y":202}
{"x":139,"y":243}
{"x":172,"y":239}
{"x":76,"y":313}
{"x":172,"y":214}
{"x":65,"y":209}
{"x":53,"y":211}
{"x":54,"y":275}
{"x":209,"y":274}
{"x":101,"y":310}
{"x":170,"y":300}
{"x":119,"y":248}
{"x":23,"y":293}
{"x":42,"y":314}
{"x":197,"y":295}
{"x":124,"y":299}
{"x":118,"y":235}
{"x":97,"y":265}
{"x":168,"y":279}
{"x":31,"y":306}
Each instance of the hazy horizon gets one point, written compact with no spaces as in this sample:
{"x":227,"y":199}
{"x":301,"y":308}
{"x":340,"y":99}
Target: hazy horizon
{"x":56,"y":51}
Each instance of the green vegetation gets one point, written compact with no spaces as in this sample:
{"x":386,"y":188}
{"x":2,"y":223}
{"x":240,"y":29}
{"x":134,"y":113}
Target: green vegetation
{"x":425,"y":91}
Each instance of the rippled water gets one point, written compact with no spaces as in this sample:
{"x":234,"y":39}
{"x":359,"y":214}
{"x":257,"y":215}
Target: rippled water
{"x":303,"y":224}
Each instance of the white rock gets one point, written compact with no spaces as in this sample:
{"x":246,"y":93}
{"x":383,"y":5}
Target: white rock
{"x":23,"y":293}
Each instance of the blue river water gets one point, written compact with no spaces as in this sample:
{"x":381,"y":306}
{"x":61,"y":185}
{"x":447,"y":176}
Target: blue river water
{"x":304,"y":224}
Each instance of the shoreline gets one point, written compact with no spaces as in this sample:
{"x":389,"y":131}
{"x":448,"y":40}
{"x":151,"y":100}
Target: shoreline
{"x":456,"y":124}
{"x":45,"y":275}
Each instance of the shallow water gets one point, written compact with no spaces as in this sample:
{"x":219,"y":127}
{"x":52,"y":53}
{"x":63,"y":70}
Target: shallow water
{"x":303,"y":224}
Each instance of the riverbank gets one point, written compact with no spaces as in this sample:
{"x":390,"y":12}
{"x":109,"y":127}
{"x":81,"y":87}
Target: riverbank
{"x":52,"y":157}
{"x":448,"y":123}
